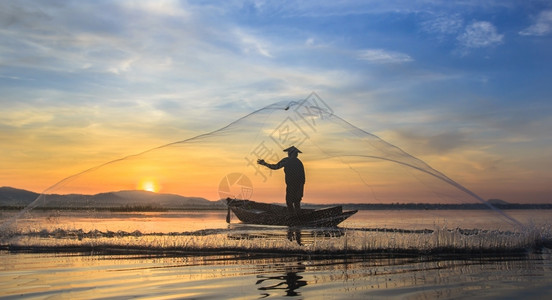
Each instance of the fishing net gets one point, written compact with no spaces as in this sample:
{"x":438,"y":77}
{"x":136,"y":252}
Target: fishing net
{"x":343,"y":164}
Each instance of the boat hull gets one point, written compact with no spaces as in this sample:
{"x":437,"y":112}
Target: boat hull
{"x":251,"y":212}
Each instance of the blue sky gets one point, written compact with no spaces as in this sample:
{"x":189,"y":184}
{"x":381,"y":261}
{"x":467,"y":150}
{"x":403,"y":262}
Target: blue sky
{"x":464,"y":85}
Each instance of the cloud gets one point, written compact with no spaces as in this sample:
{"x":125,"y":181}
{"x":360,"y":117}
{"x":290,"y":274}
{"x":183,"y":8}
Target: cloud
{"x":542,"y":25}
{"x":325,"y":8}
{"x":436,"y":143}
{"x":25,"y":117}
{"x":443,"y":24}
{"x":158,"y":7}
{"x":380,"y":56}
{"x":252,"y":43}
{"x":480,"y":34}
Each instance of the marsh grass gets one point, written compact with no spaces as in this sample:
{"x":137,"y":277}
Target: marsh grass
{"x":278,"y":240}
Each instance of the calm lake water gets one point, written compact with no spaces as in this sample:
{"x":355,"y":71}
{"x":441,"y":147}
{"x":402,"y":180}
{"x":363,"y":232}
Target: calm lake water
{"x":197,"y":255}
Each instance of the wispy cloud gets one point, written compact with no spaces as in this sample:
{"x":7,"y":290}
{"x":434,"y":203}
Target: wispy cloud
{"x":159,"y":7}
{"x":480,"y":34}
{"x":541,"y":26}
{"x":443,"y":24}
{"x":434,"y":143}
{"x":381,"y":56}
{"x":252,"y":44}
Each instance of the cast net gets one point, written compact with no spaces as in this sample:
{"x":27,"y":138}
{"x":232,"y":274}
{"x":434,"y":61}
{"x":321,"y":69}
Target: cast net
{"x":343,"y":164}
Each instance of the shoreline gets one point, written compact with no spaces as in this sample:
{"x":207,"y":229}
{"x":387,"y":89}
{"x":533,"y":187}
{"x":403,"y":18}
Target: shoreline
{"x":368,"y":207}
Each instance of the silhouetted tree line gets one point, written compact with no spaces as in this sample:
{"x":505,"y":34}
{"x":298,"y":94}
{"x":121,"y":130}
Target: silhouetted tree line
{"x":429,"y":206}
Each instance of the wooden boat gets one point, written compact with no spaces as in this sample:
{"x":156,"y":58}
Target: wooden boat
{"x":252,"y":212}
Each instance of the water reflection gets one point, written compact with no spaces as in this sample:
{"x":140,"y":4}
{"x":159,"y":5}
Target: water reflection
{"x":294,"y":234}
{"x":300,"y":235}
{"x":289,"y":282}
{"x":249,"y":276}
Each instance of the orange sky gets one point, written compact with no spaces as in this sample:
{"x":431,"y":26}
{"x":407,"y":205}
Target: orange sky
{"x":86,"y":84}
{"x":196,"y":167}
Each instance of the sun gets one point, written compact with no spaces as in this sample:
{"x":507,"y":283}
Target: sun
{"x":149,"y":186}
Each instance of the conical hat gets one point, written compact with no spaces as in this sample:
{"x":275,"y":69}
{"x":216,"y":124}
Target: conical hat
{"x":292,"y":149}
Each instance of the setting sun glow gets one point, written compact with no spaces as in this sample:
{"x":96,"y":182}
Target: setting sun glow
{"x":149,"y":186}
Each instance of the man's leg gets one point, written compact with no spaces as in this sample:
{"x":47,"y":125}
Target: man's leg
{"x":289,"y":200}
{"x":297,"y":199}
{"x":290,"y":206}
{"x":297,"y":206}
{"x":294,"y":194}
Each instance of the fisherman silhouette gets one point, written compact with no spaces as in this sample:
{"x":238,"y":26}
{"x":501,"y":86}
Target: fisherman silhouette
{"x":295,"y":178}
{"x":291,"y":281}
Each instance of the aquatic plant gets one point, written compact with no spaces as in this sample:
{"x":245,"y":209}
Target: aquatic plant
{"x":327,"y":241}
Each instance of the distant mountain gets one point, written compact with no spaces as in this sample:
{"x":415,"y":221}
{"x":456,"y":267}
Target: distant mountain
{"x":15,"y":197}
{"x":11,"y":197}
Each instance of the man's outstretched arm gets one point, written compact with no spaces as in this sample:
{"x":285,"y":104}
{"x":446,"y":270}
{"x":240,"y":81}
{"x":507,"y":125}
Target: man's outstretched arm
{"x":277,"y":166}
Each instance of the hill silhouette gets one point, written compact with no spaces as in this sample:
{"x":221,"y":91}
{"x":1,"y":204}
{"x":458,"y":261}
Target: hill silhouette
{"x":136,"y":200}
{"x":120,"y":200}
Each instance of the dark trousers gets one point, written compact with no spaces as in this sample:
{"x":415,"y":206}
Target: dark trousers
{"x":294,"y":194}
